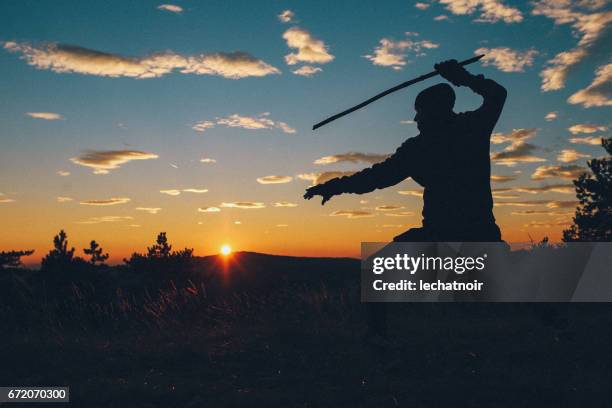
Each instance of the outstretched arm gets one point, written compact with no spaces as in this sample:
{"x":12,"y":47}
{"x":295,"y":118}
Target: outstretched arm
{"x":387,"y":173}
{"x":494,"y":94}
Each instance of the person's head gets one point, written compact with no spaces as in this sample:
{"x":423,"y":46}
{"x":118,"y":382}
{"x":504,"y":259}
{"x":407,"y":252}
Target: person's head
{"x":433,"y":106}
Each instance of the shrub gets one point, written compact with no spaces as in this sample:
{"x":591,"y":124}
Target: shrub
{"x":593,"y":218}
{"x":12,"y":259}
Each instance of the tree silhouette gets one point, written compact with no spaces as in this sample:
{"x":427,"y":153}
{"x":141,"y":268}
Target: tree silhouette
{"x":60,"y":255}
{"x":12,"y":259}
{"x":161,"y":262}
{"x":96,"y":253}
{"x":593,"y":218}
{"x":161,"y":249}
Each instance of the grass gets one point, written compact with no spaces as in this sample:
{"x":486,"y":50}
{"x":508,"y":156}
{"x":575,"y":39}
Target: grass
{"x":298,"y":345}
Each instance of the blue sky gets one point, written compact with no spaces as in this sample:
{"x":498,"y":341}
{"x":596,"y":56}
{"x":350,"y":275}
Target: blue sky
{"x":157,"y":115}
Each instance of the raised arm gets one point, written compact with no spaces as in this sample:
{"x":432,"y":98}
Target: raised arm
{"x":494,"y":95}
{"x":381,"y":175}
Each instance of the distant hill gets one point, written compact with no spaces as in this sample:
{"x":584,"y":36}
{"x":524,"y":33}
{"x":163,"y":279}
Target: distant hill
{"x":251,"y":269}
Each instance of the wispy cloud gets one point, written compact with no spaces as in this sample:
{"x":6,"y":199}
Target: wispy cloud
{"x":506,"y":59}
{"x":307,"y":70}
{"x":588,"y":23}
{"x":586,"y":128}
{"x":551,"y":188}
{"x":261,"y":121}
{"x":286,"y":16}
{"x":391,"y":53}
{"x":246,"y":122}
{"x":388,"y":207}
{"x":209,"y":209}
{"x":203,"y":125}
{"x":62,"y":58}
{"x":497,"y":194}
{"x":150,"y":210}
{"x":489,"y":11}
{"x":285,"y":204}
{"x":102,"y":161}
{"x":570,"y":155}
{"x":171,"y":192}
{"x":570,"y":172}
{"x":353,"y":157}
{"x":207,"y":160}
{"x":44,"y":115}
{"x":441,"y":17}
{"x":5,"y":200}
{"x":244,"y":205}
{"x":422,"y":6}
{"x":541,"y":212}
{"x":538,"y":203}
{"x":63,"y":199}
{"x":550,"y":116}
{"x":319,"y":178}
{"x":195,"y":190}
{"x":554,"y":188}
{"x":274,"y":179}
{"x":589,"y":140}
{"x":557,"y":69}
{"x":598,"y":93}
{"x":106,"y":202}
{"x":173,"y":8}
{"x":63,"y":173}
{"x":548,"y":224}
{"x":309,"y":49}
{"x":414,"y":193}
{"x":400,"y":214}
{"x":517,"y":152}
{"x":502,"y":178}
{"x":108,"y":218}
{"x":563,"y":204}
{"x":513,"y":136}
{"x":352,"y":214}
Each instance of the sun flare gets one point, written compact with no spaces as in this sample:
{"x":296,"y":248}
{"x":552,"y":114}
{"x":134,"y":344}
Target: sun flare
{"x":226,"y":249}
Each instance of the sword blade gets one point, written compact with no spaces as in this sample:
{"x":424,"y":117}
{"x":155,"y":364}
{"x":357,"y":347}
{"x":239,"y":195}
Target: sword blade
{"x":388,"y":91}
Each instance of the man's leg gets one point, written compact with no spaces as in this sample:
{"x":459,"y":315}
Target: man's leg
{"x":377,"y":311}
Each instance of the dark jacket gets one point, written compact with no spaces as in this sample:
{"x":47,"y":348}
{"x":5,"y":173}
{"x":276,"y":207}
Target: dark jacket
{"x":452,"y":164}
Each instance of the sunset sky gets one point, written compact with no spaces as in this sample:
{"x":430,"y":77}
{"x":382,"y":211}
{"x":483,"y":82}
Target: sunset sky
{"x":122,"y":119}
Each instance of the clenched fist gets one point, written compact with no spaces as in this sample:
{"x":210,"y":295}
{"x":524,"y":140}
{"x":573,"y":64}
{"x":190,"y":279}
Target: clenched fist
{"x":452,"y":72}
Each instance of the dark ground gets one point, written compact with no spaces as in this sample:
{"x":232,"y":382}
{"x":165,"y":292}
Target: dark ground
{"x":300,"y":346}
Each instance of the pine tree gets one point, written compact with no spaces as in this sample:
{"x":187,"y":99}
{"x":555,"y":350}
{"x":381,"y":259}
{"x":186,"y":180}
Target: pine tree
{"x":96,"y":253}
{"x":161,"y":259}
{"x":12,"y":259}
{"x":593,"y":218}
{"x":161,"y":249}
{"x":60,"y":255}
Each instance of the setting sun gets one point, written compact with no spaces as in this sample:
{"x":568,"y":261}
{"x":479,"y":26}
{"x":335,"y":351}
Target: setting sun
{"x":226,"y":249}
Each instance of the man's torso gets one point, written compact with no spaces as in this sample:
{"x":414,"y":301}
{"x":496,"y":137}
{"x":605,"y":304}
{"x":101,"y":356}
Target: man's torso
{"x":454,"y":169}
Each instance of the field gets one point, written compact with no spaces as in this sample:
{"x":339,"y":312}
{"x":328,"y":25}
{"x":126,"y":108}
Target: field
{"x":261,"y":330}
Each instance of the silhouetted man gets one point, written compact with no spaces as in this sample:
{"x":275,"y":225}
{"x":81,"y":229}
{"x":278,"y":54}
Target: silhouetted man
{"x":449,"y":158}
